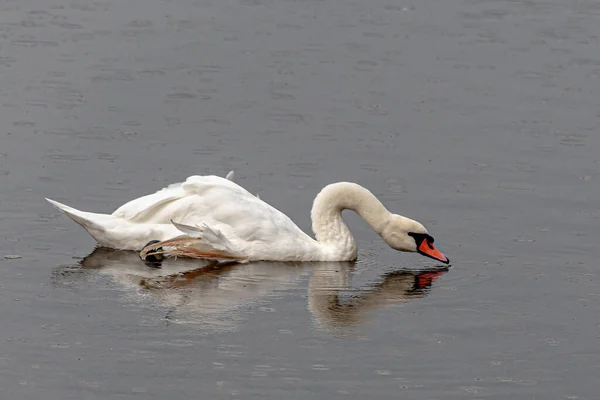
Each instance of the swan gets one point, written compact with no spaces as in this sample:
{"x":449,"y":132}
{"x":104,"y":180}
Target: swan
{"x":211,"y":217}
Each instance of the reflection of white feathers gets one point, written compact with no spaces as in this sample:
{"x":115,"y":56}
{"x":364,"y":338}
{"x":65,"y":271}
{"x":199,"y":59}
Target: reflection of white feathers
{"x":213,"y":298}
{"x":219,"y":297}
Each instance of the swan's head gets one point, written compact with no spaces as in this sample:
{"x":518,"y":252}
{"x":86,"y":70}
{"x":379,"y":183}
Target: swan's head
{"x":405,"y":234}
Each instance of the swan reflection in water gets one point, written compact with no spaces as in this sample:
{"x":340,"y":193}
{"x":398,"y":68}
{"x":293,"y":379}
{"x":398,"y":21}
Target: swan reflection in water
{"x":211,"y":295}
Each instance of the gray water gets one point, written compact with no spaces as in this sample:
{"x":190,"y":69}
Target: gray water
{"x":478,"y":118}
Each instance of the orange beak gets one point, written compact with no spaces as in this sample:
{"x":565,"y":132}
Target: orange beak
{"x":429,"y":250}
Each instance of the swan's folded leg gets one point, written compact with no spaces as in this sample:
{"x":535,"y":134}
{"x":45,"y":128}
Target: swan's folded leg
{"x":204,"y":243}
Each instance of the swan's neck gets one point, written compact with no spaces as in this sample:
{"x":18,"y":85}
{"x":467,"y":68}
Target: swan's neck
{"x":328,"y":225}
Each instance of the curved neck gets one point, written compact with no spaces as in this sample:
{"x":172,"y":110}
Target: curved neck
{"x":326,"y":214}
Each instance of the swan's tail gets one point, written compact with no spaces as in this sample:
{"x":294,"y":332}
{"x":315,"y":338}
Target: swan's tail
{"x":204,"y":243}
{"x":92,"y":222}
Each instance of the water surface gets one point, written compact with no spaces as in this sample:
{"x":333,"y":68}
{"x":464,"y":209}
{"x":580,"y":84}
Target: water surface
{"x":478,"y":118}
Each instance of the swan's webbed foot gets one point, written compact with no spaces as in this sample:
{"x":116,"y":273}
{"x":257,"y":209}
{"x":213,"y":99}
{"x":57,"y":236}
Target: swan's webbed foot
{"x":153,"y":257}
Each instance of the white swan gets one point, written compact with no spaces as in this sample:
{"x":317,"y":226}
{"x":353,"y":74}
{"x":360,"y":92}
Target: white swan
{"x":214,"y":218}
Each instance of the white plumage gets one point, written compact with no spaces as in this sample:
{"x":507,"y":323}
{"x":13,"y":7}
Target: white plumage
{"x":213,"y":217}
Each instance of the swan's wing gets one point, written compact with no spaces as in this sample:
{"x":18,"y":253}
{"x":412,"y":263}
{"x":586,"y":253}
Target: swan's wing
{"x":138,"y":210}
{"x":228,"y":207}
{"x":219,"y":218}
{"x":232,"y":221}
